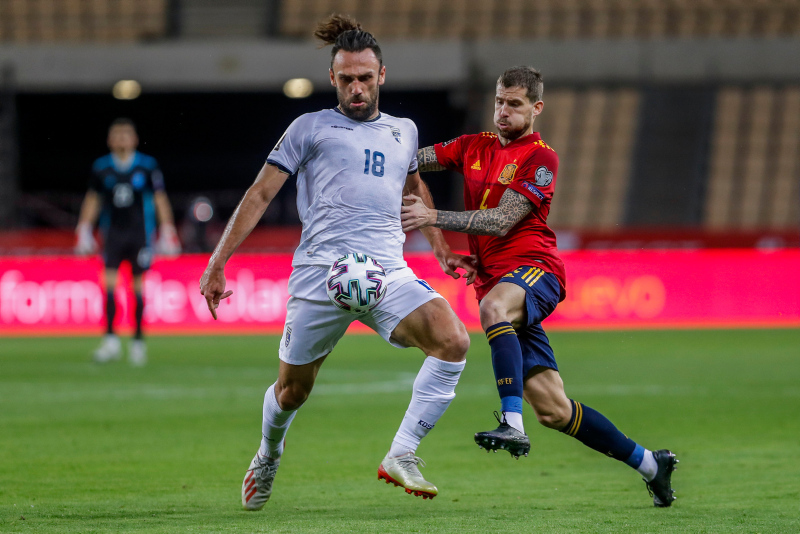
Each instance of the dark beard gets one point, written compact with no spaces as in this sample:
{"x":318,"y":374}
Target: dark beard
{"x":361,"y":114}
{"x":513,"y":135}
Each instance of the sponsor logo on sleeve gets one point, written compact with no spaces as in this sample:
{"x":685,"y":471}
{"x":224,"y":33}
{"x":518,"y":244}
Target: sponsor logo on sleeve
{"x":544,"y":177}
{"x":396,"y":134}
{"x":288,"y":336}
{"x":532,"y":188}
{"x":507,"y":176}
{"x":450,"y":141}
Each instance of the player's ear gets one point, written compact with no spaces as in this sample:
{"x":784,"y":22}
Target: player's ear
{"x":538,"y":107}
{"x":333,"y":79}
{"x":382,"y":75}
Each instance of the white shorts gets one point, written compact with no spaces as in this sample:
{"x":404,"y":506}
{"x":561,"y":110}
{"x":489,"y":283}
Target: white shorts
{"x":314,"y":325}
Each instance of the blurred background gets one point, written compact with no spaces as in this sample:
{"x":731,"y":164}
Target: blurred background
{"x":677,"y":122}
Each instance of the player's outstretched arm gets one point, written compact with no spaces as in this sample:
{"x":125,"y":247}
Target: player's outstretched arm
{"x":448,"y":260}
{"x":427,"y":161}
{"x":244,"y":219}
{"x":513,"y":207}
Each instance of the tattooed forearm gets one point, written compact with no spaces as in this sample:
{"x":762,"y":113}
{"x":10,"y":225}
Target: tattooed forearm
{"x":426,"y":159}
{"x":496,"y":221}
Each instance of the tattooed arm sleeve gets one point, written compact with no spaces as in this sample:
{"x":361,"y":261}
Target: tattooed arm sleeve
{"x":426,"y":158}
{"x":495,"y":221}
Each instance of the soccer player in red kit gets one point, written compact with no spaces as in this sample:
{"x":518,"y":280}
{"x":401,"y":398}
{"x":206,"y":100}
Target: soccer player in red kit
{"x":509,"y":179}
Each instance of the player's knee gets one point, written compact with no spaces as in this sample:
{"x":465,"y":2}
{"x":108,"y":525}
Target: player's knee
{"x":453,"y":344}
{"x":291,"y":396}
{"x":553,"y":417}
{"x":492,"y":312}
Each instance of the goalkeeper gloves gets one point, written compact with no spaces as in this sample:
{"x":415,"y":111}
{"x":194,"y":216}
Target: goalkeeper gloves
{"x":86,"y":242}
{"x":168,"y":243}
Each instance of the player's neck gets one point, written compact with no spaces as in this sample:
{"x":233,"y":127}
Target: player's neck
{"x":370,"y":118}
{"x":504,"y":140}
{"x":123,"y":156}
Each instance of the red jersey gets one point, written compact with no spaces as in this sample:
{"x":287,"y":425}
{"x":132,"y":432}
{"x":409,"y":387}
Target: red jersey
{"x":526,"y":165}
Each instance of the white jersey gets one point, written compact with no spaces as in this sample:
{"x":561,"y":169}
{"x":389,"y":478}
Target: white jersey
{"x":350,"y":179}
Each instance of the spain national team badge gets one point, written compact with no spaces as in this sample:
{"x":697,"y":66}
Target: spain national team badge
{"x":396,"y":134}
{"x":507,"y":176}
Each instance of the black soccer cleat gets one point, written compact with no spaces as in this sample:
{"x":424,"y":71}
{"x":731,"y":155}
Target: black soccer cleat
{"x":660,"y":487}
{"x":504,"y":437}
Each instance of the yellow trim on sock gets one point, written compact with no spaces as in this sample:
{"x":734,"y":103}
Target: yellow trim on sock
{"x":492,"y":331}
{"x":500,"y":332}
{"x":578,"y":419}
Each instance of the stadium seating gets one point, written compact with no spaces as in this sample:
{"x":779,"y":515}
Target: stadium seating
{"x":42,"y":21}
{"x":552,"y":19}
{"x":754,"y":175}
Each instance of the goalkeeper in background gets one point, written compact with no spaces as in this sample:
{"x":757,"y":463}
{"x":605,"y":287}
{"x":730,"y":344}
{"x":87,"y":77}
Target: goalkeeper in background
{"x":126,"y":192}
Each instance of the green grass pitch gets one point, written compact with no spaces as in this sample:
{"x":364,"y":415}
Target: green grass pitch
{"x":87,"y":448}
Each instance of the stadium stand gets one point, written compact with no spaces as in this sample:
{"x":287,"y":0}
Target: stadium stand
{"x":44,"y":21}
{"x":754,"y":180}
{"x":553,"y":19}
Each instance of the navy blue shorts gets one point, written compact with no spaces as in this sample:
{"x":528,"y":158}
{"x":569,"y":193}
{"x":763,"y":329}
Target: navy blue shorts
{"x":542,"y":294}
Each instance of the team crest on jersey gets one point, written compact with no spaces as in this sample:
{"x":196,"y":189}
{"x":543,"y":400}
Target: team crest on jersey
{"x":137,"y":181}
{"x":396,"y":134}
{"x":544,"y":177}
{"x":507,"y":176}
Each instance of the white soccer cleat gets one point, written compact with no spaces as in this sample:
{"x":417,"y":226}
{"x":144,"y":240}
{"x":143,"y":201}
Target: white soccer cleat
{"x":137,"y":353}
{"x":403,"y":471}
{"x":257,"y":484}
{"x":110,"y":349}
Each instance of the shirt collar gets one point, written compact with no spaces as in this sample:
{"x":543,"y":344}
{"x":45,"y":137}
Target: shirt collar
{"x":522,"y":141}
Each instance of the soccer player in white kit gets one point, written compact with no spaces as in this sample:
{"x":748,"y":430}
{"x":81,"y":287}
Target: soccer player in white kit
{"x":353,"y":165}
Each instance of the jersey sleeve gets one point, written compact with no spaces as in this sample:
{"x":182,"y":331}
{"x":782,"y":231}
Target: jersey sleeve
{"x":156,"y":176}
{"x":537,"y":177}
{"x":294,"y":146}
{"x":451,"y":153}
{"x":96,"y":179}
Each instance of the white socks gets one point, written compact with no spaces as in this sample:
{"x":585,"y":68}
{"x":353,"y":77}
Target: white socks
{"x":434,"y":389}
{"x":274,"y":425}
{"x":648,"y":467}
{"x":514,"y":419}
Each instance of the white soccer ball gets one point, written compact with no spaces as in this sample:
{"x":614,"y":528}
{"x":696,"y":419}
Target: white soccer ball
{"x":356,"y":283}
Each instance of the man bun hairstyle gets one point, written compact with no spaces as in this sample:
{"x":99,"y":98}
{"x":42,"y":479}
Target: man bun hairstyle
{"x":344,"y":33}
{"x":526,"y":77}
